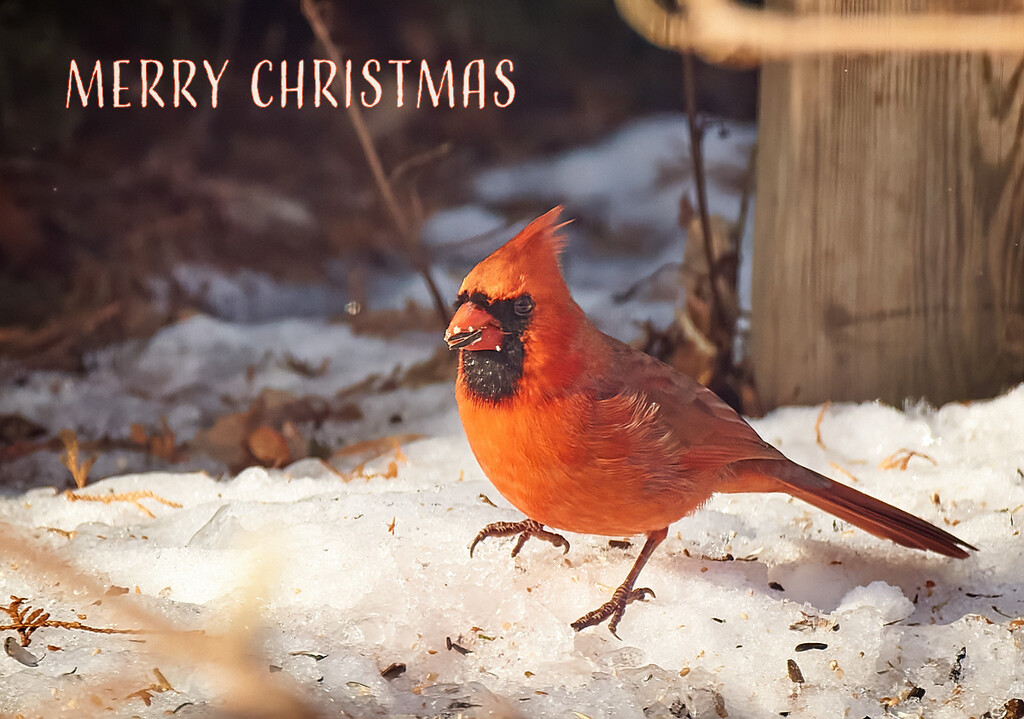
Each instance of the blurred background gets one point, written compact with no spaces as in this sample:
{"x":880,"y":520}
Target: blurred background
{"x":882,"y":258}
{"x":94,"y":202}
{"x":118,"y":223}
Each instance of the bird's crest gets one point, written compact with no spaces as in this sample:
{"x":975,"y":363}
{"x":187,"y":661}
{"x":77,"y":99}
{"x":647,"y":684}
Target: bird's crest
{"x":526,"y":263}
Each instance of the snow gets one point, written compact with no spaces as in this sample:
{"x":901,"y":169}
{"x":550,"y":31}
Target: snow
{"x":303,"y":584}
{"x":368,"y":572}
{"x":250,"y":296}
{"x":635,"y":178}
{"x":194,"y":370}
{"x":458,"y":224}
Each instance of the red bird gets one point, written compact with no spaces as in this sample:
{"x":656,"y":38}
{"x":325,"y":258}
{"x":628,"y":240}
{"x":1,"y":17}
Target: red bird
{"x":586,"y":434}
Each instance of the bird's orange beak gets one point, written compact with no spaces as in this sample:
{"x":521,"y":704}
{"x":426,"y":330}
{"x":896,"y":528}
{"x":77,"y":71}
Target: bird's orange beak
{"x":473,"y":328}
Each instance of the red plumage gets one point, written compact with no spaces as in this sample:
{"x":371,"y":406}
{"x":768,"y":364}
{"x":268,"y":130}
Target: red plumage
{"x":586,"y":434}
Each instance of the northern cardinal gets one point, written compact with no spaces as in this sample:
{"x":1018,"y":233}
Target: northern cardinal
{"x":586,"y":434}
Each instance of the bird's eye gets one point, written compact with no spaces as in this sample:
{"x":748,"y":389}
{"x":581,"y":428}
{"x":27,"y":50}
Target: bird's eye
{"x":523,"y":305}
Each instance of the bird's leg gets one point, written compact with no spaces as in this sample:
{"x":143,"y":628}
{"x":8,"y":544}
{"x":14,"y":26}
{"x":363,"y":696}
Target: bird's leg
{"x":614,"y":608}
{"x":525,"y":529}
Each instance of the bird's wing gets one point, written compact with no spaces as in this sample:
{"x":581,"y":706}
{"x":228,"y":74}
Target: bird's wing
{"x":701,"y":431}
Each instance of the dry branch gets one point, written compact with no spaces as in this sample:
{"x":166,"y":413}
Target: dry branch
{"x":406,"y":229}
{"x":130,"y":497}
{"x":728,"y":33}
{"x":25,"y":620}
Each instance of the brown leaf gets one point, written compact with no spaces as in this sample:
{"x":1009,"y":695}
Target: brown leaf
{"x":164,"y":445}
{"x":682,"y":344}
{"x":228,"y":440}
{"x":298,"y":447}
{"x":138,"y":435}
{"x":225,"y":440}
{"x":696,"y":276}
{"x":268,"y":446}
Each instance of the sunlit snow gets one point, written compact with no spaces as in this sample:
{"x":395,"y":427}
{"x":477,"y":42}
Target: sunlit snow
{"x":322,"y":578}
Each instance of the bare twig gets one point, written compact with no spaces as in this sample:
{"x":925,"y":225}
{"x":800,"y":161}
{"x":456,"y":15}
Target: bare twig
{"x":720,"y":321}
{"x":406,"y":229}
{"x":25,"y":620}
{"x":130,"y":497}
{"x":406,"y":167}
{"x":628,"y":293}
{"x":749,"y":181}
{"x":730,"y":33}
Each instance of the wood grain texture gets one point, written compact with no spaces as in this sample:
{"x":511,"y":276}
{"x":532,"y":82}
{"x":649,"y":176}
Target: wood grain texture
{"x":889,"y":240}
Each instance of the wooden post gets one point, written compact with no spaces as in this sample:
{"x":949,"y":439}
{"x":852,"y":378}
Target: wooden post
{"x":889,"y":228}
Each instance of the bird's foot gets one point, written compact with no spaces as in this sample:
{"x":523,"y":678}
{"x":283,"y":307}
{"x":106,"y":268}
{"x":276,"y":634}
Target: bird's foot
{"x":613,"y":609}
{"x":525,"y":529}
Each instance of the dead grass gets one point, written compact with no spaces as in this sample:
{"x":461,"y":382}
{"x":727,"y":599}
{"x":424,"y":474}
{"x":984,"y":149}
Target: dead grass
{"x":78,"y":466}
{"x":129,"y":497}
{"x":900,"y":459}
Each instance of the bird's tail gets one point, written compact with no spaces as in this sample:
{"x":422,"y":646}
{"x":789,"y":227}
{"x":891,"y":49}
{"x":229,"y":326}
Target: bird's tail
{"x":870,"y":514}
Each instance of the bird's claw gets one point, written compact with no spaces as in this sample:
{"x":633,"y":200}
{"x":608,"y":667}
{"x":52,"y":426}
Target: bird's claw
{"x":613,"y":609}
{"x":525,"y":529}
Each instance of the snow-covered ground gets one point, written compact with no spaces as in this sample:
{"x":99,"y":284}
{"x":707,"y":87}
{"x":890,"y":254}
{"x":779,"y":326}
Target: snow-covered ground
{"x":331,"y":581}
{"x":310,"y":581}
